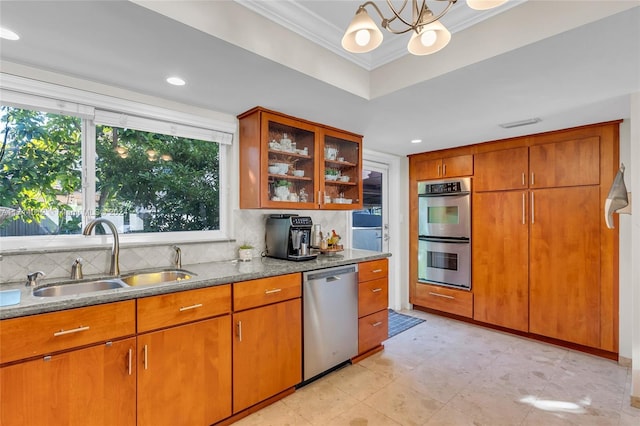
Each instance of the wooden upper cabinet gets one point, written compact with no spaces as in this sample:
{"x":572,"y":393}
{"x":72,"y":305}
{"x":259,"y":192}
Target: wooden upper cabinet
{"x":283,"y":161}
{"x":439,"y":168}
{"x":567,"y":163}
{"x":501,"y":170}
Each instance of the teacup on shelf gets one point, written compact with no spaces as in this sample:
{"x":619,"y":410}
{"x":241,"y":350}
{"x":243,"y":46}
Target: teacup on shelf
{"x":344,"y":178}
{"x":298,"y":173}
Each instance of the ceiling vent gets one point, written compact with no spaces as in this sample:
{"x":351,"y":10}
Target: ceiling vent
{"x":520,"y":123}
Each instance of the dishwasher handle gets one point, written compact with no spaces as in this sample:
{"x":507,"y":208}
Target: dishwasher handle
{"x":332,"y":274}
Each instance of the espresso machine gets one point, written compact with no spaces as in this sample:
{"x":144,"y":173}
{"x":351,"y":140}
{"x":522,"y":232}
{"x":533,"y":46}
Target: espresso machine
{"x":288,"y":236}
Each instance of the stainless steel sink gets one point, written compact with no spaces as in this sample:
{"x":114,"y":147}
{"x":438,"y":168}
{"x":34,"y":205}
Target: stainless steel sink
{"x":157,"y":277}
{"x":78,"y":288}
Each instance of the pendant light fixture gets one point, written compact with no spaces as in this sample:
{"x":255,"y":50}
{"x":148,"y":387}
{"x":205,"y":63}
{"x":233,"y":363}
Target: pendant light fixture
{"x":429,"y":35}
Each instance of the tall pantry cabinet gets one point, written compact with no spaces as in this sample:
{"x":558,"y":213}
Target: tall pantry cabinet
{"x":543,"y":260}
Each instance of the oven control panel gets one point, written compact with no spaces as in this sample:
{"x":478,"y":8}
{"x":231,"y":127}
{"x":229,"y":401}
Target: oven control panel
{"x":444,"y":187}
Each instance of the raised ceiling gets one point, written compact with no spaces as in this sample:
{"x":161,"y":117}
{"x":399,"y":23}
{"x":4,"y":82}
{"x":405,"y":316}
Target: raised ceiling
{"x":568,"y":62}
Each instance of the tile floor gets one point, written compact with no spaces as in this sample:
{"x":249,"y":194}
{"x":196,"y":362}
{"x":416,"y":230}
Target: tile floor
{"x":445,"y":372}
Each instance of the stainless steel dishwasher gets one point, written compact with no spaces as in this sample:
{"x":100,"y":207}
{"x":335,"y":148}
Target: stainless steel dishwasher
{"x":330,"y":318}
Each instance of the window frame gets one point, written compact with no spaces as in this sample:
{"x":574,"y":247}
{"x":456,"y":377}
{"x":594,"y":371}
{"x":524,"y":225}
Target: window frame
{"x":30,"y":94}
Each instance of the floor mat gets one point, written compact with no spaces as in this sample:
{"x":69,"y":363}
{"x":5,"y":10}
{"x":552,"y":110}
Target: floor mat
{"x":400,"y":322}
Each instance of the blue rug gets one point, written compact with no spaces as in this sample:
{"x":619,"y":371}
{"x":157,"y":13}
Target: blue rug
{"x":400,"y":322}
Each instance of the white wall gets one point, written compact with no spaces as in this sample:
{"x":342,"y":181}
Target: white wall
{"x":634,"y":277}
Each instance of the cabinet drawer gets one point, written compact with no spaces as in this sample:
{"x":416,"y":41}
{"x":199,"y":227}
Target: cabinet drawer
{"x":372,"y":296}
{"x":249,"y":294}
{"x":373,"y":330}
{"x":457,"y":302}
{"x":177,"y":308}
{"x":373,"y":270}
{"x":56,"y":331}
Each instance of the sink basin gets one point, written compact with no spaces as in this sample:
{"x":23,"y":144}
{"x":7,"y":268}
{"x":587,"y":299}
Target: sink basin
{"x":158,"y":277}
{"x":78,"y":288}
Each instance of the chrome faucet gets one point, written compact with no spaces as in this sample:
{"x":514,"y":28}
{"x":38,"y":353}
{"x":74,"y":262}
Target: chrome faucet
{"x":32,"y":278}
{"x":115,"y":249}
{"x":178,"y":258}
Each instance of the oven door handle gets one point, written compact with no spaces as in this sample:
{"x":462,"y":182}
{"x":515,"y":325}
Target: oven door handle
{"x":448,"y":240}
{"x":445,"y":194}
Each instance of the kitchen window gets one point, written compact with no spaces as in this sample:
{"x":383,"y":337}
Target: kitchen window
{"x":62,"y":164}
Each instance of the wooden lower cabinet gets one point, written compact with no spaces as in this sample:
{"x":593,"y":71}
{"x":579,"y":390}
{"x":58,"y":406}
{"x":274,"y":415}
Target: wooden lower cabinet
{"x":373,"y":304}
{"x":500,"y":261}
{"x":565,"y":264}
{"x":94,"y":385}
{"x":184,"y":374}
{"x":373,"y":330}
{"x":453,"y":301}
{"x":267,"y":352}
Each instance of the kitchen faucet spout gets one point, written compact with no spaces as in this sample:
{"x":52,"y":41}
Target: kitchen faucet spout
{"x":115,"y":249}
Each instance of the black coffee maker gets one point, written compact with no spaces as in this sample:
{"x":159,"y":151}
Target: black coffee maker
{"x":288,"y":236}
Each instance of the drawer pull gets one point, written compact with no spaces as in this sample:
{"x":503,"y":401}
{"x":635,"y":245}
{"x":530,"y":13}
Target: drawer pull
{"x":376,"y":324}
{"x":73,"y":330}
{"x":186,"y":308}
{"x":239,"y":331}
{"x":129,"y":360}
{"x":275,"y":290}
{"x":376,"y":290}
{"x":441,"y":295}
{"x":376,"y":271}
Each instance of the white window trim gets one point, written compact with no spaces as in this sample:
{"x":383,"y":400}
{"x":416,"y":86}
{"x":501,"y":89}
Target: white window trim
{"x":26,"y":93}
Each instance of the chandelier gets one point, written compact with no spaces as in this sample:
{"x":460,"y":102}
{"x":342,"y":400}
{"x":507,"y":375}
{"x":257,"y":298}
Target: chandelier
{"x":429,"y":35}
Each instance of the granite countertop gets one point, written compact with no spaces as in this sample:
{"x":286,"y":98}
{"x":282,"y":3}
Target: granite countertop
{"x":206,"y":275}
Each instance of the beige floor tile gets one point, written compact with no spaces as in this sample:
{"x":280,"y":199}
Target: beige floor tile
{"x":448,"y":416}
{"x":276,"y":414}
{"x":362,"y":415}
{"x":404,"y":404}
{"x":319,"y":402}
{"x":358,"y":381}
{"x":585,"y":417}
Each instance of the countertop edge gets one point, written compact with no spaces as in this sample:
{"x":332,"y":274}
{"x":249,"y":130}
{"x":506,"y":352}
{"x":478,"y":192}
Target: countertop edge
{"x":207,"y":275}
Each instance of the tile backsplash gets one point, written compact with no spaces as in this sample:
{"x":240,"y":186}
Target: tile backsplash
{"x":249,"y":226}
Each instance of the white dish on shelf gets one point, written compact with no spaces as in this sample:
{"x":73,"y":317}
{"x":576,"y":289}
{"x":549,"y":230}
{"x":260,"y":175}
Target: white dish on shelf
{"x":330,"y":177}
{"x":274,"y":170}
{"x":342,"y":200}
{"x":344,"y":178}
{"x":299,"y":173}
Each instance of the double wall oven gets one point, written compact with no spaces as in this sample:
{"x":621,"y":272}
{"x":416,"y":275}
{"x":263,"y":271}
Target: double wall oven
{"x":444,"y":234}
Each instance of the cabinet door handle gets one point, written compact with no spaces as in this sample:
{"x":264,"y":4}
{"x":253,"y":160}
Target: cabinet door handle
{"x":239,"y":330}
{"x":146,"y":359}
{"x":533,"y":210}
{"x":523,"y":179}
{"x":439,"y":170}
{"x":73,"y":330}
{"x":129,"y":361}
{"x":275,"y":290}
{"x":376,"y":290}
{"x":376,"y":324}
{"x":532,"y":179}
{"x":444,"y":170}
{"x":376,"y":271}
{"x":186,"y":308}
{"x":524,"y":214}
{"x":441,"y":295}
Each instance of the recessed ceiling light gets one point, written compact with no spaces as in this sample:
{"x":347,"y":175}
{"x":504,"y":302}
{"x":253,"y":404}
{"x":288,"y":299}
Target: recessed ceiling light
{"x":176,"y":81}
{"x":7,"y":34}
{"x":416,"y":140}
{"x":520,"y":123}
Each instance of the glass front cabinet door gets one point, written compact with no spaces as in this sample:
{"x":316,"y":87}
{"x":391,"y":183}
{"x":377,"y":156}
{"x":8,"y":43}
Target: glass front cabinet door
{"x":289,"y":163}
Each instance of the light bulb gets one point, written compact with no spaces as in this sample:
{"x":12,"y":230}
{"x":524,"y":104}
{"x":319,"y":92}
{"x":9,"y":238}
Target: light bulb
{"x":363,"y":37}
{"x":428,"y":38}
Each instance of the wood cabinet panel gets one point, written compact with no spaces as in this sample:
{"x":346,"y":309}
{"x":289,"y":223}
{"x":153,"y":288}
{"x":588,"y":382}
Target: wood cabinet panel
{"x":565,"y":264}
{"x":567,"y":163}
{"x":264,"y":291}
{"x":372,"y":330}
{"x":373,"y":270}
{"x":85,"y":386}
{"x":267,"y":352}
{"x":373,"y":296}
{"x":501,"y":170}
{"x":500,"y":262}
{"x":184,"y":374}
{"x":48,"y":333}
{"x":186,"y":306}
{"x":444,"y":299}
{"x":427,"y":169}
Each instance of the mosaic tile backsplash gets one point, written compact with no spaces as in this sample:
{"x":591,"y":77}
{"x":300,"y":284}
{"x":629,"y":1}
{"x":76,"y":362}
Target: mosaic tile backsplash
{"x":249,"y":227}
